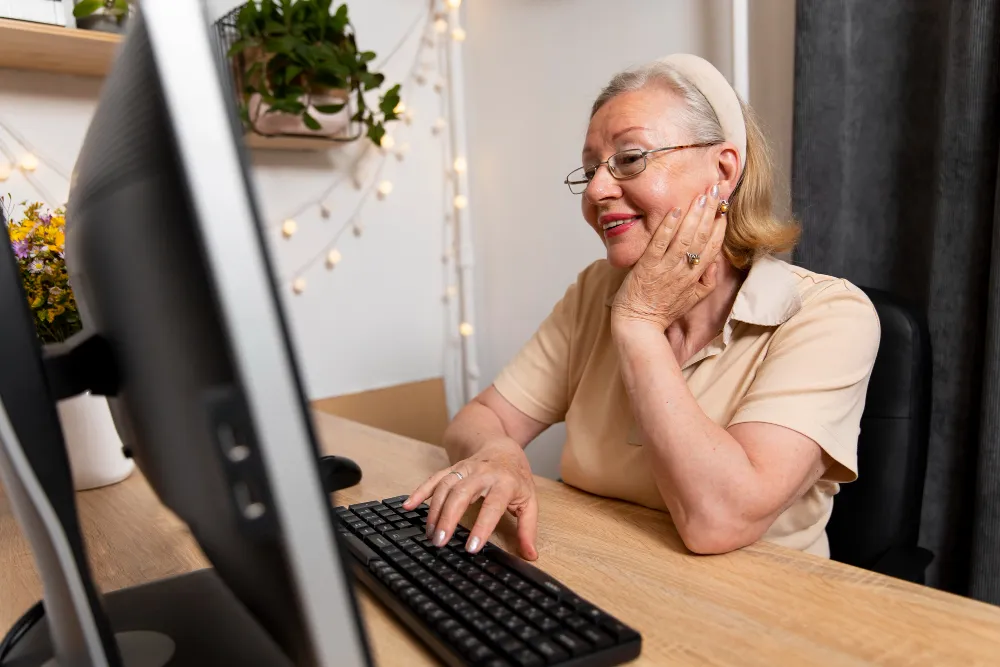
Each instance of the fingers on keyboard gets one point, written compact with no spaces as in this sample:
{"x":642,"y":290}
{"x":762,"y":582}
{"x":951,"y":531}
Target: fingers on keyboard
{"x":492,"y":510}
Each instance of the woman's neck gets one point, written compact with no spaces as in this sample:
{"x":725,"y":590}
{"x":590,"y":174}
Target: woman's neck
{"x":706,"y":319}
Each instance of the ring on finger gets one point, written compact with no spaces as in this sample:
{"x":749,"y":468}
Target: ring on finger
{"x":693,"y":258}
{"x":457,"y":474}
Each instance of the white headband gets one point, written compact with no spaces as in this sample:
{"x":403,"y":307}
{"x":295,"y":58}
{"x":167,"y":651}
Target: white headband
{"x":719,"y":94}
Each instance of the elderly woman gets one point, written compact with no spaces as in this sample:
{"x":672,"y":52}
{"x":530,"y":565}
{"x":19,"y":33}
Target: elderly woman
{"x":696,"y":373}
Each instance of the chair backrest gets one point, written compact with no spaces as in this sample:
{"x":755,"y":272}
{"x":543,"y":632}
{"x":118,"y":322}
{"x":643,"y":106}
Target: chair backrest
{"x":881,"y":510}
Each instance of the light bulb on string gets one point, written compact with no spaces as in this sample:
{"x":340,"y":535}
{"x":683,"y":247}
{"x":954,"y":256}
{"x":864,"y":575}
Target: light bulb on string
{"x":446,"y":255}
{"x":454,"y":4}
{"x":387,"y":141}
{"x":357,"y":229}
{"x":460,"y":202}
{"x":299,"y":285}
{"x":29,"y":162}
{"x":399,"y":109}
{"x":420,"y":78}
{"x":402,"y":150}
{"x":439,"y":86}
{"x":465,"y":329}
{"x":440,"y":26}
{"x":460,"y":165}
{"x":324,"y":211}
{"x":384,"y":189}
{"x":288,"y":228}
{"x":333,"y":258}
{"x":458,"y":34}
{"x":451,"y":292}
{"x":5,"y":171}
{"x":439,"y":125}
{"x":408,"y":116}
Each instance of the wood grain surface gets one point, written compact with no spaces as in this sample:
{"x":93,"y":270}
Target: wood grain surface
{"x":763,"y":605}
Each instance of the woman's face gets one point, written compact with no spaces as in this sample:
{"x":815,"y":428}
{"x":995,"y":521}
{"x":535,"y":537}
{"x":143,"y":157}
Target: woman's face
{"x":625,"y":213}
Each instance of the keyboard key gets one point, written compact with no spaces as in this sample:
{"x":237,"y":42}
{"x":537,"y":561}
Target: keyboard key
{"x":551,"y":651}
{"x":526,"y":658}
{"x":576,"y":623}
{"x":385,"y":528}
{"x":403,"y":534}
{"x":447,"y":625}
{"x":366,"y":531}
{"x":569,"y":641}
{"x":561,"y":612}
{"x":401,"y":524}
{"x":506,"y":595}
{"x":378,"y":542}
{"x":374,"y":523}
{"x":509,"y":645}
{"x":411,"y":515}
{"x":361,"y":506}
{"x":533,"y":614}
{"x":619,"y":630}
{"x":526,"y":633}
{"x":518,"y":603}
{"x":480,"y":653}
{"x":547,"y":603}
{"x":395,"y":499}
{"x":547,"y":624}
{"x":499,"y":613}
{"x":595,"y":636}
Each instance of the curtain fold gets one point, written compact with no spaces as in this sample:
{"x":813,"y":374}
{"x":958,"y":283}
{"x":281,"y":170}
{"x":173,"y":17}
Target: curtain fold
{"x":894,"y":177}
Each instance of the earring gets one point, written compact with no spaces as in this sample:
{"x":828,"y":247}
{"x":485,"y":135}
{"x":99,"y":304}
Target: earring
{"x":723,"y":206}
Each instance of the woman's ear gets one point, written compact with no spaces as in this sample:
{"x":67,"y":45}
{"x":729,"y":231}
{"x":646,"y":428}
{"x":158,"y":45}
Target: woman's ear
{"x":728,"y":168}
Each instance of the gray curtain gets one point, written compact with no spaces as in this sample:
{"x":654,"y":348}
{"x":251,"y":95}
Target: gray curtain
{"x":894,"y":178}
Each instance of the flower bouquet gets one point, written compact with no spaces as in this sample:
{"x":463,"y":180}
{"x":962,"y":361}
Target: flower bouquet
{"x":38,"y":237}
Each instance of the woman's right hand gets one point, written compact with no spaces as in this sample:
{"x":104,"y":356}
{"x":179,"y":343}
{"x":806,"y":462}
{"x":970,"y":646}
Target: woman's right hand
{"x":498,"y":472}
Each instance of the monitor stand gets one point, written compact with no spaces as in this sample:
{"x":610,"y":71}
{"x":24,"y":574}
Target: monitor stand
{"x":192,"y":620}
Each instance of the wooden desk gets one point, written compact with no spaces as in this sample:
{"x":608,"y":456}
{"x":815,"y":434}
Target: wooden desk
{"x":762,"y":606}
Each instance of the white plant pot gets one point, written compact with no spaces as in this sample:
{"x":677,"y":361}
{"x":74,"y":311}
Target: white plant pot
{"x":92,"y":442}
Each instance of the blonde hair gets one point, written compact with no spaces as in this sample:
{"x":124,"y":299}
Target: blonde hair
{"x":752,"y":229}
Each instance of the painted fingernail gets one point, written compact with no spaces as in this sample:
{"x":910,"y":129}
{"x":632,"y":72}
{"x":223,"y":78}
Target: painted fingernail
{"x":676,"y":213}
{"x":473,"y":545}
{"x":701,"y":201}
{"x":430,"y":530}
{"x":439,"y":539}
{"x":715,"y":191}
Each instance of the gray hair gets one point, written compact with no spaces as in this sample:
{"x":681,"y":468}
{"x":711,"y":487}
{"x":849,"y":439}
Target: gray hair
{"x":698,"y":116}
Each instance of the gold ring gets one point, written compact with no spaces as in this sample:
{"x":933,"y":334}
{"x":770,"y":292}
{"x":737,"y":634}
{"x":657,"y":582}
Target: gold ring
{"x":693,"y":259}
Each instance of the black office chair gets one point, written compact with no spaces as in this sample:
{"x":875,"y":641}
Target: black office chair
{"x":876,"y":519}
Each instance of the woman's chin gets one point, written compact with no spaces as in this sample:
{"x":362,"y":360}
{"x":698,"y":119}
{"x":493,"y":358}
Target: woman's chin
{"x":622,"y":256}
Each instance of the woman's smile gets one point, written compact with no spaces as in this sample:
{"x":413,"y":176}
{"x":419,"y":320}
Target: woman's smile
{"x":616,"y":224}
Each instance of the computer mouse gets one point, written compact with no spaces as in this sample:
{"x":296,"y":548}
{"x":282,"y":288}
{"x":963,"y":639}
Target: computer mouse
{"x":338,"y":473}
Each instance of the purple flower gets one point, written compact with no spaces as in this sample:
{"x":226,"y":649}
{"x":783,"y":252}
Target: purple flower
{"x":21,"y":249}
{"x":45,"y":219}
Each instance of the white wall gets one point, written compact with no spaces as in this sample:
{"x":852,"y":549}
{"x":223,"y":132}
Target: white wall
{"x":533,"y":69}
{"x":378,"y":319}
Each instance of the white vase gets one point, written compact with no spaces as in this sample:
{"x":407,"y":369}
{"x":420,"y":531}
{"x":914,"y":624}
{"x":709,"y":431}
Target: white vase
{"x":92,"y":442}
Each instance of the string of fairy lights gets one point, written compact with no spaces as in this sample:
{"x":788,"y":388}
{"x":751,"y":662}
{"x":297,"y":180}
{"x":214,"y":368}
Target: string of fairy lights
{"x":441,"y":36}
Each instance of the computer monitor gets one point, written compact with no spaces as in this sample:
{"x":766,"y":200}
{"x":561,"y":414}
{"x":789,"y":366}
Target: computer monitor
{"x":169,"y":266}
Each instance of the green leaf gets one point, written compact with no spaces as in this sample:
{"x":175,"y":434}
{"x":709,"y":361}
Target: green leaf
{"x":311,"y":122}
{"x":376,"y":132}
{"x":85,"y":8}
{"x":366,"y":56}
{"x":389,"y":102}
{"x":330,"y":108}
{"x":292,"y":72}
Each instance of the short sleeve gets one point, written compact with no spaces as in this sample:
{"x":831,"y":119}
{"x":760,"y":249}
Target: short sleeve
{"x":536,"y":381}
{"x":815,"y":374}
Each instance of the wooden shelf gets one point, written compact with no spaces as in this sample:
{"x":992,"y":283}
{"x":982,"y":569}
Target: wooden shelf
{"x":259,"y":142}
{"x":49,"y":48}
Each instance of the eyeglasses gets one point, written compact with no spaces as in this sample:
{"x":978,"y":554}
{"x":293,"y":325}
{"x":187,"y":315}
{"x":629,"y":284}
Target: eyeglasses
{"x":625,"y":164}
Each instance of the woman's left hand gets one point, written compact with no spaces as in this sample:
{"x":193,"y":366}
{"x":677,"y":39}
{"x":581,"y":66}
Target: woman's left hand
{"x":664,"y":285}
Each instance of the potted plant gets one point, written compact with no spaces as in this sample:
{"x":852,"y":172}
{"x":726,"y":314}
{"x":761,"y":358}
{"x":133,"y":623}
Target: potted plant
{"x":103,"y":15}
{"x":37,"y":238}
{"x":300,"y":72}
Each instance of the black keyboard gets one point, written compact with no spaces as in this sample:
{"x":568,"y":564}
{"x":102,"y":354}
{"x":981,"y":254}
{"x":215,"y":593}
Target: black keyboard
{"x":490,"y":609}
